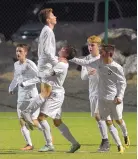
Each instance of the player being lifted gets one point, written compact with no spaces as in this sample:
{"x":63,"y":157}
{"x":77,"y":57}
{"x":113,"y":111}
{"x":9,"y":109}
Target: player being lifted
{"x":52,"y":107}
{"x":24,"y":69}
{"x":91,"y":74}
{"x":111,"y":88}
{"x":46,"y":47}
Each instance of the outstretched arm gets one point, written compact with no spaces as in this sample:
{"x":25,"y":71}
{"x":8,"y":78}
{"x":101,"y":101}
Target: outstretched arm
{"x":92,"y":63}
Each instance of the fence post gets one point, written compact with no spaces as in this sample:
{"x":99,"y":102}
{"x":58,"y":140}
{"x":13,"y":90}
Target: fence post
{"x":106,"y":21}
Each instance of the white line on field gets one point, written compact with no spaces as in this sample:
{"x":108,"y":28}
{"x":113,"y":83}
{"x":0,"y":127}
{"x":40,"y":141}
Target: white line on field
{"x":49,"y":117}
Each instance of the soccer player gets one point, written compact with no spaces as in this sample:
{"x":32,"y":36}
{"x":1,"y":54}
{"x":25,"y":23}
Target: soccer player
{"x":46,"y":46}
{"x":91,"y":74}
{"x":24,"y":69}
{"x":111,"y":88}
{"x":52,"y":107}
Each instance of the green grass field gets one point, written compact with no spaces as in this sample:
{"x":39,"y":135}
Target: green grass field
{"x":83,"y":127}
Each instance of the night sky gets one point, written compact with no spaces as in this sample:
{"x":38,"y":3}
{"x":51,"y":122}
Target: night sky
{"x":13,"y":13}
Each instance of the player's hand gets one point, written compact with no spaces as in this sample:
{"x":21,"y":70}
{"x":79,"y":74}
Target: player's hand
{"x":92,"y":72}
{"x":117,"y":100}
{"x":11,"y":92}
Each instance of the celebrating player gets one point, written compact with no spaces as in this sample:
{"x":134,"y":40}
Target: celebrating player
{"x":24,"y":69}
{"x":91,"y":74}
{"x":111,"y":88}
{"x":52,"y":107}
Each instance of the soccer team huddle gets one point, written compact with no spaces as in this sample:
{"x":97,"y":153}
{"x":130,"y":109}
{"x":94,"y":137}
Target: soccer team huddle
{"x":107,"y":85}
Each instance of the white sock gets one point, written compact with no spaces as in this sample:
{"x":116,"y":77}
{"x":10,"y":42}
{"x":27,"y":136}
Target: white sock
{"x":46,"y":132}
{"x":35,"y":104}
{"x":26,"y":134}
{"x":115,"y":135}
{"x":66,"y":133}
{"x":103,"y":129}
{"x":39,"y":127}
{"x":123,"y":128}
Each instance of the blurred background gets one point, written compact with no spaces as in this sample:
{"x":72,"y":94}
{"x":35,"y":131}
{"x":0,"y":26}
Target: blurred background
{"x":115,"y":21}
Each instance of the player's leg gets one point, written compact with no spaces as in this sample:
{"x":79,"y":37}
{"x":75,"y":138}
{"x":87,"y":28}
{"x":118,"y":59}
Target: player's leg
{"x":117,"y":112}
{"x":47,"y":134}
{"x":45,"y":128}
{"x":64,"y":130}
{"x":24,"y":130}
{"x":37,"y":102}
{"x":105,"y":113}
{"x":104,"y":146}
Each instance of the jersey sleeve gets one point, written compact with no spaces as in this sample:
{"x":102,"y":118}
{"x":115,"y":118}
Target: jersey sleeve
{"x":31,"y":81}
{"x":84,"y":73}
{"x":91,"y":63}
{"x":59,"y":68}
{"x":47,"y":44}
{"x":121,"y":83}
{"x":14,"y":82}
{"x":32,"y":66}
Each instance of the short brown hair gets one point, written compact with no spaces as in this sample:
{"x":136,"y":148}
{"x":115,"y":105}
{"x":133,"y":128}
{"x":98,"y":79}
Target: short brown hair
{"x":44,"y":14}
{"x":72,"y":52}
{"x":25,"y":46}
{"x":108,"y":48}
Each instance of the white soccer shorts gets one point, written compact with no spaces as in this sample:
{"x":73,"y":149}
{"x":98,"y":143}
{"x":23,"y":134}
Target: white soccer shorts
{"x":109,"y":108}
{"x":22,"y":106}
{"x":53,"y":105}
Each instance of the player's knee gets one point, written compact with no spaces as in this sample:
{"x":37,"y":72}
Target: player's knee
{"x":109,"y":122}
{"x":45,"y":90}
{"x":41,"y":117}
{"x":22,"y":122}
{"x":97,"y":116}
{"x":57,"y":122}
{"x":119,"y":122}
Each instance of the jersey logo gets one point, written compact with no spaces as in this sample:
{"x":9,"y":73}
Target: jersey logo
{"x":109,"y":72}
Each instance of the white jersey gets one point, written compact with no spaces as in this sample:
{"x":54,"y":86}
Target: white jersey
{"x":23,"y":72}
{"x":112,"y":81}
{"x":93,"y":79}
{"x":46,"y":47}
{"x":56,"y":81}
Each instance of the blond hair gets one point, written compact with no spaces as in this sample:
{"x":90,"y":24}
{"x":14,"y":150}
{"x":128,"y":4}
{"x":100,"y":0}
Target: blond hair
{"x":94,"y":39}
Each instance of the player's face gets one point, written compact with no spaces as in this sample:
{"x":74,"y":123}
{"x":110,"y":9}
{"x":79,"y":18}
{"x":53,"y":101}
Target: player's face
{"x":63,"y":52}
{"x":21,"y":53}
{"x":93,"y":48}
{"x":52,"y":19}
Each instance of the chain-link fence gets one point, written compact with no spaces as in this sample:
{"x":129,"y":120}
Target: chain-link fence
{"x":76,"y":21}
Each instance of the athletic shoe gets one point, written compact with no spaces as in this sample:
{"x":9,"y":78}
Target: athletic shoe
{"x":104,"y":146}
{"x":127,"y":141}
{"x":47,"y":148}
{"x":74,"y":148}
{"x":121,"y":149}
{"x":27,"y":147}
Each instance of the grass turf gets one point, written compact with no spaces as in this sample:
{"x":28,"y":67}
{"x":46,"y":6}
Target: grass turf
{"x":82,"y":126}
